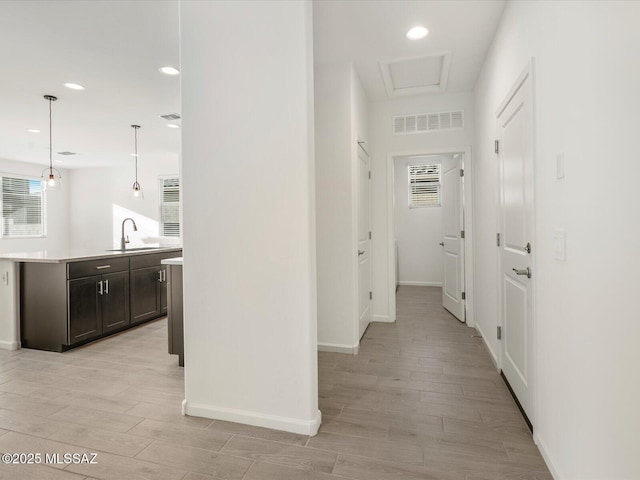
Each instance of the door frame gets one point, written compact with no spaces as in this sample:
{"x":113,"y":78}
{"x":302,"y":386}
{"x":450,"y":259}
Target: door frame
{"x":527,"y":72}
{"x":356,"y":241}
{"x":467,"y":206}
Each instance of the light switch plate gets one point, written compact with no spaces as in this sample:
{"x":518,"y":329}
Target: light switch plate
{"x":560,"y":245}
{"x":560,"y":166}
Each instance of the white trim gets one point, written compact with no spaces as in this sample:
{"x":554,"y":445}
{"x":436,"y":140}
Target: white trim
{"x":287,"y":424}
{"x":468,"y":226}
{"x":544,"y":451}
{"x":392,"y":92}
{"x":14,"y":345}
{"x":382,"y":319}
{"x":411,"y":283}
{"x":338,"y":348}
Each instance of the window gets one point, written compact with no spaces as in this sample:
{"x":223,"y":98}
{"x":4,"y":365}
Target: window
{"x":424,"y":186}
{"x":170,"y":207}
{"x":22,"y":208}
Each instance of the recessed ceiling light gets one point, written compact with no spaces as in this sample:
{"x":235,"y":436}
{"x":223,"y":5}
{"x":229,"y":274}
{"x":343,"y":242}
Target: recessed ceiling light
{"x":173,"y":125}
{"x":74,"y":86}
{"x":170,"y":70}
{"x":134,"y":154}
{"x":32,"y":130}
{"x":416,"y":33}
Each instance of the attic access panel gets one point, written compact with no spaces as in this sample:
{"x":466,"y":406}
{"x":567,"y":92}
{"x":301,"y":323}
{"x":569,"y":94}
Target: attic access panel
{"x":416,"y":75}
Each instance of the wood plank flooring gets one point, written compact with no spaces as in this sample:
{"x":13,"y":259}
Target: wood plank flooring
{"x":422,"y":400}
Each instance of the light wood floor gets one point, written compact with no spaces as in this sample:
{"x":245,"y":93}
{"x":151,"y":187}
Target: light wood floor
{"x":421,"y":401}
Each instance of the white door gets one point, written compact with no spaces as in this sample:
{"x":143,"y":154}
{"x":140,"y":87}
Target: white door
{"x":364,"y":242}
{"x":515,"y":153}
{"x":453,"y":242}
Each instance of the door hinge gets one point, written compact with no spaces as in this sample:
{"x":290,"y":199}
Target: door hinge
{"x":461,"y":233}
{"x":499,"y":333}
{"x":369,"y":174}
{"x":497,"y":146}
{"x":497,"y":239}
{"x":370,"y":295}
{"x":462,"y":172}
{"x":463,"y":295}
{"x":527,"y":247}
{"x":369,"y":235}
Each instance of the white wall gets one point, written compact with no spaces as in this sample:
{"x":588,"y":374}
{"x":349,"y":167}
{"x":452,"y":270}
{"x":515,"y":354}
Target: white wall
{"x":383,"y":142}
{"x":101,"y":198}
{"x":249,"y":213}
{"x":418,"y":230}
{"x":340,"y":120}
{"x":57,"y":220}
{"x":586,"y":105}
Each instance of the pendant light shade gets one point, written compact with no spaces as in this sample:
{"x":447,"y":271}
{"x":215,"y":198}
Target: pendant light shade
{"x":51,"y":178}
{"x":136,"y":190}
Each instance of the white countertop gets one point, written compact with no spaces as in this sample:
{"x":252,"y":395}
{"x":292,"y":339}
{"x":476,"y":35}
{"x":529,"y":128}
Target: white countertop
{"x":49,"y":256}
{"x":172,"y":261}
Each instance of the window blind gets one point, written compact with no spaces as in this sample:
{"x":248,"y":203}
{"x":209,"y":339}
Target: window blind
{"x":22,"y":208}
{"x":424,"y":185}
{"x":170,"y":207}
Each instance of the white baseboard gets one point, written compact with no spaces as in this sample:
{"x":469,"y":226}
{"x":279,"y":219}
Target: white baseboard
{"x":9,"y":345}
{"x":338,"y":348}
{"x":294,"y":425}
{"x":382,"y":318}
{"x":420,"y":284}
{"x":544,"y":451}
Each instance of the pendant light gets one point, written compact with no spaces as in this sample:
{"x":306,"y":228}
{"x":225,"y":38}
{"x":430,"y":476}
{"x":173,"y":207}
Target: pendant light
{"x":137,"y":189}
{"x":49,"y":179}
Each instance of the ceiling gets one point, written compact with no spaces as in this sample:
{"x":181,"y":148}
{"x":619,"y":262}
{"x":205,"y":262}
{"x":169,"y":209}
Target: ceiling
{"x":367,"y":32}
{"x":114,"y":48}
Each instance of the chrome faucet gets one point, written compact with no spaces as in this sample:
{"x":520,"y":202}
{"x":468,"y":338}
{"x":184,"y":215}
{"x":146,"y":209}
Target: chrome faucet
{"x":124,"y":240}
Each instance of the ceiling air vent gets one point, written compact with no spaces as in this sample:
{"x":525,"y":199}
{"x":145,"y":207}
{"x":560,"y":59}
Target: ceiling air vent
{"x":170,"y":116}
{"x":67,"y":153}
{"x":428,"y":122}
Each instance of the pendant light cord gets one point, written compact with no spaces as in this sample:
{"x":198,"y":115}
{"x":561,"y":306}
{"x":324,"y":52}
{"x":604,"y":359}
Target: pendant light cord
{"x":50,"y":141}
{"x":136,"y":142}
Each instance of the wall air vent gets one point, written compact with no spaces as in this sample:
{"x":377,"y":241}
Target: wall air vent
{"x":170,"y":116}
{"x":428,"y":122}
{"x":66,"y":154}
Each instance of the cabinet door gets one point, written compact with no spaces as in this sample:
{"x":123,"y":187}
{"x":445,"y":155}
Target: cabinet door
{"x":115,"y":301}
{"x":84,"y":309}
{"x":145,"y":294}
{"x":163,"y":291}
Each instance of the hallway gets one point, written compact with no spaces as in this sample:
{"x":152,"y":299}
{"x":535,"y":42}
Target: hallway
{"x":422,"y":400}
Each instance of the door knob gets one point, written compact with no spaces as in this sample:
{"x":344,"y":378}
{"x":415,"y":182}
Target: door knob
{"x":526,"y":271}
{"x":361,"y":252}
{"x":441,"y":244}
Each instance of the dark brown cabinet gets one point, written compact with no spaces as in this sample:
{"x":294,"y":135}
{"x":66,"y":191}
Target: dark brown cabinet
{"x":66,"y":304}
{"x":148,"y":287}
{"x":145,"y":293}
{"x":84,"y":309}
{"x":97,"y":305}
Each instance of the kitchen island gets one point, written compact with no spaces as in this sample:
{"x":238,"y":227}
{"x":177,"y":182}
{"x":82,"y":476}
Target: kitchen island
{"x":70,"y":298}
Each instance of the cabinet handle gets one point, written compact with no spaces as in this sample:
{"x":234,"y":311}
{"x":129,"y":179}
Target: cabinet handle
{"x":164,"y":274}
{"x":100,"y":290}
{"x":101,"y":267}
{"x":106,"y":287}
